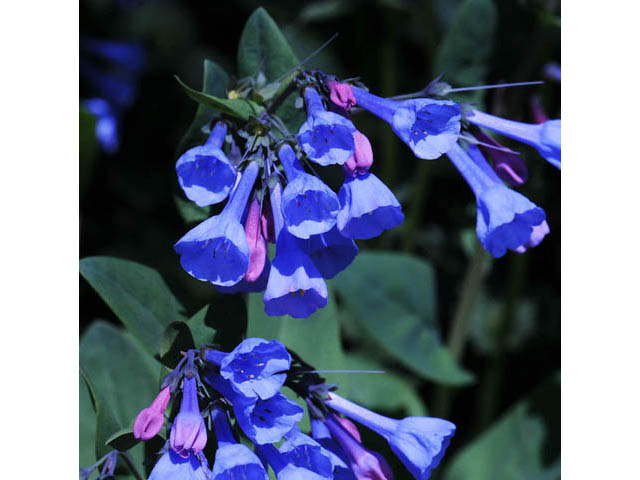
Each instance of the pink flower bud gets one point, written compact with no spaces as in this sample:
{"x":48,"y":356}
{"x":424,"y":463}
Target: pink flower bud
{"x":257,"y":244}
{"x":342,"y":95}
{"x":150,"y":420}
{"x":362,"y":158}
{"x":350,"y":427}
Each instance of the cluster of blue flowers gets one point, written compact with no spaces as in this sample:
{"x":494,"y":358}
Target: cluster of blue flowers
{"x":238,"y":394}
{"x":274,"y":198}
{"x":110,"y":69}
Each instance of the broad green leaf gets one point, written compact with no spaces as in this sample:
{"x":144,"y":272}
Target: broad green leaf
{"x":263,"y":48}
{"x":464,"y":52}
{"x":393,"y":298}
{"x":123,"y":377}
{"x":137,"y":295}
{"x":316,"y":338}
{"x":379,"y":391}
{"x":87,"y":429}
{"x":242,"y":108}
{"x":177,"y":338}
{"x":511,"y":449}
{"x":214,"y":82}
{"x":190,"y":212}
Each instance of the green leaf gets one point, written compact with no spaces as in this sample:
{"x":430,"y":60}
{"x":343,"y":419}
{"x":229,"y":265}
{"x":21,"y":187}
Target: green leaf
{"x":393,"y":298}
{"x":190,"y":212}
{"x":379,"y":391}
{"x":464,"y":53}
{"x":137,"y":295}
{"x":511,"y":449}
{"x":201,"y":327}
{"x":214,"y":82}
{"x":122,"y":440}
{"x":87,"y":429}
{"x":263,"y":48}
{"x":123,"y":379}
{"x":242,"y":108}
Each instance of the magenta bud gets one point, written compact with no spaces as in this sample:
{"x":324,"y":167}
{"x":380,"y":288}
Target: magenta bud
{"x":151,"y":419}
{"x":257,"y":244}
{"x":362,"y":159}
{"x":507,"y":164}
{"x":341,"y":94}
{"x":349,"y":426}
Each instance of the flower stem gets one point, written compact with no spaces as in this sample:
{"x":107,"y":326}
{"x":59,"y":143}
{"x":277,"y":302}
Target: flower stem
{"x":416,"y":208}
{"x":461,"y":324}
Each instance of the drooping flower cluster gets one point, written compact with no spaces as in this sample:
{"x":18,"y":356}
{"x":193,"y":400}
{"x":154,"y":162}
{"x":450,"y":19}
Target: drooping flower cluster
{"x":239,"y":394}
{"x":274,"y":194}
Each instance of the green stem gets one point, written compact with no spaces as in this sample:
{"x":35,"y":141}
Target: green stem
{"x":416,"y":208}
{"x":461,"y":324}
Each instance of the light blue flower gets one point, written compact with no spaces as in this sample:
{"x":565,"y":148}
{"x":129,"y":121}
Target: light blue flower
{"x":309,"y":207}
{"x":419,"y":442}
{"x":205,"y":174}
{"x":217,"y":250}
{"x":544,"y":137}
{"x":326,"y":137}
{"x":506,"y":219}
{"x":429,"y":127}
{"x":188,"y":433}
{"x":172,"y":466}
{"x":367,"y":207}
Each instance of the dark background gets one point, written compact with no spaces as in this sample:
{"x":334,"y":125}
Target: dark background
{"x":127,"y":206}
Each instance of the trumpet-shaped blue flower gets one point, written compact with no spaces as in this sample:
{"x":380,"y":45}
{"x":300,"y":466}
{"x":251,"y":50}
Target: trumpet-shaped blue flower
{"x":506,"y":219}
{"x":309,"y":207}
{"x":544,"y":137}
{"x":262,"y":421}
{"x":205,"y":174}
{"x":217,"y":250}
{"x":234,"y":461}
{"x":295,"y":285}
{"x":188,"y":433}
{"x":331,"y":252}
{"x":339,"y":459}
{"x":419,"y":442}
{"x":326,"y":137}
{"x":429,"y":127}
{"x":299,"y":458}
{"x":172,"y":466}
{"x":256,"y":367}
{"x":367,"y":207}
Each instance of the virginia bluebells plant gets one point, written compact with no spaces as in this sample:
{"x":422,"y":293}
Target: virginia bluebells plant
{"x":241,"y":395}
{"x":276,"y":195}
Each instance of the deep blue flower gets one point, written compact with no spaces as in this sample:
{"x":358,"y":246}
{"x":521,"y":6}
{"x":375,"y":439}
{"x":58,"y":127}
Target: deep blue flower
{"x":262,"y":421}
{"x":106,"y":123}
{"x":544,"y":137}
{"x":172,"y":466}
{"x":217,"y":250}
{"x":245,"y":286}
{"x":234,"y":461}
{"x":256,"y":367}
{"x":326,"y":137}
{"x":118,"y":90}
{"x":299,"y":458}
{"x":331,"y":252}
{"x":506,"y":219}
{"x":429,"y":127}
{"x":205,"y":173}
{"x":419,"y":442}
{"x":339,"y":459}
{"x":188,"y":433}
{"x":367,"y":207}
{"x":295,"y":285}
{"x":309,"y":207}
